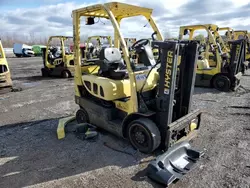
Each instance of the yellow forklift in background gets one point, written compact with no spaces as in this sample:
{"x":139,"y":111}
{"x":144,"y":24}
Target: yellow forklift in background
{"x":243,"y":34}
{"x":58,"y":60}
{"x":216,"y":68}
{"x":5,"y":77}
{"x":130,"y":41}
{"x":92,"y":51}
{"x":240,"y":34}
{"x":140,"y":102}
{"x":229,"y":32}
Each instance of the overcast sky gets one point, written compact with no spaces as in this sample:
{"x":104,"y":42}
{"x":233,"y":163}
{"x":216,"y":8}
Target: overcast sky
{"x":53,"y":17}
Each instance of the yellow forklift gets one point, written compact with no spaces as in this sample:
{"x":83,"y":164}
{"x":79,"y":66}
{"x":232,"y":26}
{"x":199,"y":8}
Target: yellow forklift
{"x":216,"y":68}
{"x":229,"y":32}
{"x":140,"y":102}
{"x":92,"y":51}
{"x":129,"y":41}
{"x":5,"y":77}
{"x":243,"y":34}
{"x":58,"y":59}
{"x":240,"y":34}
{"x":218,"y":38}
{"x":128,"y":99}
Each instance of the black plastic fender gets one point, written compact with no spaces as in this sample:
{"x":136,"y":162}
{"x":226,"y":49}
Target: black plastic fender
{"x":172,"y":165}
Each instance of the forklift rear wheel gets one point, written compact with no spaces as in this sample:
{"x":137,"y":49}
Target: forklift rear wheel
{"x":82,"y":116}
{"x":222,"y":83}
{"x":65,"y":74}
{"x":144,"y":135}
{"x":45,"y":73}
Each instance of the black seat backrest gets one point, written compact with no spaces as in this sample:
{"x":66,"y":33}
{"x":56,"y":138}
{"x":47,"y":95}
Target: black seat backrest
{"x":91,"y":49}
{"x":146,"y":56}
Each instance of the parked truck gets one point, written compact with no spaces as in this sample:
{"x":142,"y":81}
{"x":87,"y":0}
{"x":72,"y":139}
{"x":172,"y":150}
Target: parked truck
{"x":23,"y":50}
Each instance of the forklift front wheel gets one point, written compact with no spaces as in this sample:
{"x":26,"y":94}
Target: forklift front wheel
{"x":65,"y":74}
{"x":222,"y":83}
{"x":144,"y":135}
{"x":82,"y":116}
{"x":45,"y":72}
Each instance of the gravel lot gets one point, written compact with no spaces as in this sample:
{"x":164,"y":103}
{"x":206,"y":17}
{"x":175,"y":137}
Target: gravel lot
{"x":31,"y":155}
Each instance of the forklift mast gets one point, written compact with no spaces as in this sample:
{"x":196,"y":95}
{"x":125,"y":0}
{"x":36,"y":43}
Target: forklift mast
{"x":237,"y":55}
{"x":174,"y":96}
{"x":44,"y":56}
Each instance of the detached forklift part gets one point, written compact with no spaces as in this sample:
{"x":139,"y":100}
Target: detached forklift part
{"x":61,"y":126}
{"x":148,"y":105}
{"x":86,"y":131}
{"x":172,"y":165}
{"x":83,"y":131}
{"x":5,"y":77}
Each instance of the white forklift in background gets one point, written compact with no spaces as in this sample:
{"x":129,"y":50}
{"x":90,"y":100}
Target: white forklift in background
{"x":23,"y":50}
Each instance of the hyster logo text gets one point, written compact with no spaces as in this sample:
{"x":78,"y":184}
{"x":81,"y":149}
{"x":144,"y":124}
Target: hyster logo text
{"x":168,"y":72}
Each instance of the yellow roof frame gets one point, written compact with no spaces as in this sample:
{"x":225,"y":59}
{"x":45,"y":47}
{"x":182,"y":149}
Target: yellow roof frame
{"x":211,"y":38}
{"x":209,"y":28}
{"x":119,"y":10}
{"x":237,"y":33}
{"x":192,"y":28}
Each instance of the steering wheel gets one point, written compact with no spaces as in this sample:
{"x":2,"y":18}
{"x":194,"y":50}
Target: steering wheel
{"x":140,"y":43}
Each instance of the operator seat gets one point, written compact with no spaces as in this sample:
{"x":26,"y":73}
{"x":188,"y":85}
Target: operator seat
{"x":110,"y":63}
{"x":202,"y":63}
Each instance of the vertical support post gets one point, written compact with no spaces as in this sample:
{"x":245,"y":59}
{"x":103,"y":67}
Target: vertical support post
{"x":116,"y":37}
{"x":63,"y":49}
{"x":133,"y":102}
{"x":77,"y":56}
{"x":155,"y":28}
{"x":166,"y":88}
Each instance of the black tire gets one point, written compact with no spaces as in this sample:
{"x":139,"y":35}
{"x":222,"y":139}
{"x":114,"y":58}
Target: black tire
{"x":18,"y":55}
{"x":222,"y":83}
{"x":45,"y":72}
{"x":65,"y":74}
{"x":144,"y":135}
{"x":82,"y":116}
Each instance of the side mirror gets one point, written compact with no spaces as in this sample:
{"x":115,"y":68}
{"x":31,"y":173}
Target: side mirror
{"x":90,"y":20}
